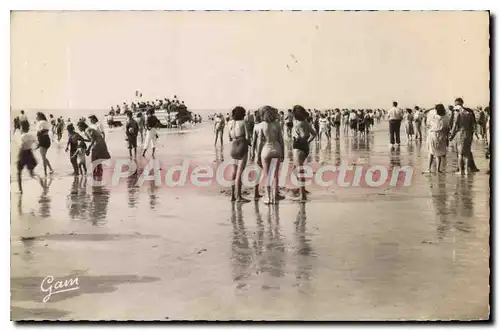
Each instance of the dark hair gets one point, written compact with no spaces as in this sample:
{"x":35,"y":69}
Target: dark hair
{"x":93,"y":118}
{"x":459,"y":100}
{"x":41,"y":116}
{"x":238,"y":113}
{"x":417,"y":108}
{"x":128,"y":113}
{"x":25,"y":126}
{"x":394,"y":103}
{"x":408,"y":110}
{"x":82,"y":126}
{"x":22,"y":111}
{"x":70,"y":128}
{"x":299,"y":113}
{"x":450,"y":107}
{"x":440,"y":110}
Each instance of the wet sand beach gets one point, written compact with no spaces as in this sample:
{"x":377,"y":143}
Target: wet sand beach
{"x":154,"y":253}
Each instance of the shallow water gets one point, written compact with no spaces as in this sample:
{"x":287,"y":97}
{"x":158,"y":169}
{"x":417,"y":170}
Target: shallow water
{"x":153,"y":253}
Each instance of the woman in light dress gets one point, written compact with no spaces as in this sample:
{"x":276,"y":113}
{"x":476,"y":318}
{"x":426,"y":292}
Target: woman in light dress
{"x":271,"y":148}
{"x":97,"y":148}
{"x":438,"y":124}
{"x":409,"y":124}
{"x":239,"y":136}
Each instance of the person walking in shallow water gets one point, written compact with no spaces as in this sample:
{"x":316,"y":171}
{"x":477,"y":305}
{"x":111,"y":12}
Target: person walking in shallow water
{"x":25,"y":156}
{"x":42,"y":128}
{"x":219,"y":129}
{"x":464,"y":129}
{"x":437,"y":139}
{"x":97,"y":149}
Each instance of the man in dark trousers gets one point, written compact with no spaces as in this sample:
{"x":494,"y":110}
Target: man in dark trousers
{"x":395,"y":116}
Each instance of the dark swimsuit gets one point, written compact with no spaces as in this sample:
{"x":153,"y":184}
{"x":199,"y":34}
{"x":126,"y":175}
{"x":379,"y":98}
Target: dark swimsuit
{"x":301,"y":144}
{"x":239,"y":148}
{"x":43,"y":138}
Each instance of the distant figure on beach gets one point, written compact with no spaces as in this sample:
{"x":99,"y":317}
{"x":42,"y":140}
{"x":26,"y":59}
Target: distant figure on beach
{"x":417,"y":117}
{"x":25,"y":155}
{"x":337,"y":119}
{"x":239,"y":136}
{"x":289,"y":123}
{"x":152,"y":123}
{"x":23,"y":118}
{"x":141,"y":122}
{"x":303,"y":135}
{"x":323,"y":127}
{"x":271,"y":149}
{"x":74,"y":140}
{"x":131,"y":132}
{"x":437,"y":139}
{"x":17,"y":124}
{"x":59,"y":128}
{"x":409,"y":124}
{"x":53,"y":125}
{"x":42,"y":129}
{"x":353,"y":121}
{"x":219,"y":124}
{"x":395,"y":116}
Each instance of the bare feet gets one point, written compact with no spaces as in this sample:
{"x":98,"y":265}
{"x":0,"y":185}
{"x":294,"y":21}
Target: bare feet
{"x":459,"y":173}
{"x":242,"y":200}
{"x":428,"y":171}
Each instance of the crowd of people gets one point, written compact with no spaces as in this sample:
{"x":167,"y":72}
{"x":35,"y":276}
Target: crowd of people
{"x":258,"y":136}
{"x":176,"y":112}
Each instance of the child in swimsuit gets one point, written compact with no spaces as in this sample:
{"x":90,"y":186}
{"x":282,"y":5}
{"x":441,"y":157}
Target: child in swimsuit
{"x":80,"y":158}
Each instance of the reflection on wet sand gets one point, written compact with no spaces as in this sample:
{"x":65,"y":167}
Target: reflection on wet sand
{"x":395,"y":157}
{"x":44,"y":202}
{"x":153,"y":198}
{"x":78,"y":199}
{"x":99,"y":205}
{"x":133,"y":190}
{"x":454,"y":210}
{"x":261,"y":254}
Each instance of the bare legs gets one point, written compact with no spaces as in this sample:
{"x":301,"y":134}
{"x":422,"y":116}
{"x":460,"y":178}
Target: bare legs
{"x":237,"y":182}
{"x":299,"y":158}
{"x":270,"y":167}
{"x":45,"y":161}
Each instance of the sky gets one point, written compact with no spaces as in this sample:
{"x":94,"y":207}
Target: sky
{"x":217,"y":60}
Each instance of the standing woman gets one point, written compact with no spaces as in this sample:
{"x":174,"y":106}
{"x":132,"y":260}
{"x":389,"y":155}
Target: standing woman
{"x":418,"y":123}
{"x":464,"y":128}
{"x":303,"y":134}
{"x":97,"y":125}
{"x":42,"y":128}
{"x":239,"y":136}
{"x":270,"y":148}
{"x":142,"y":123}
{"x":438,"y":124}
{"x":98,"y":149}
{"x":409,"y":124}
